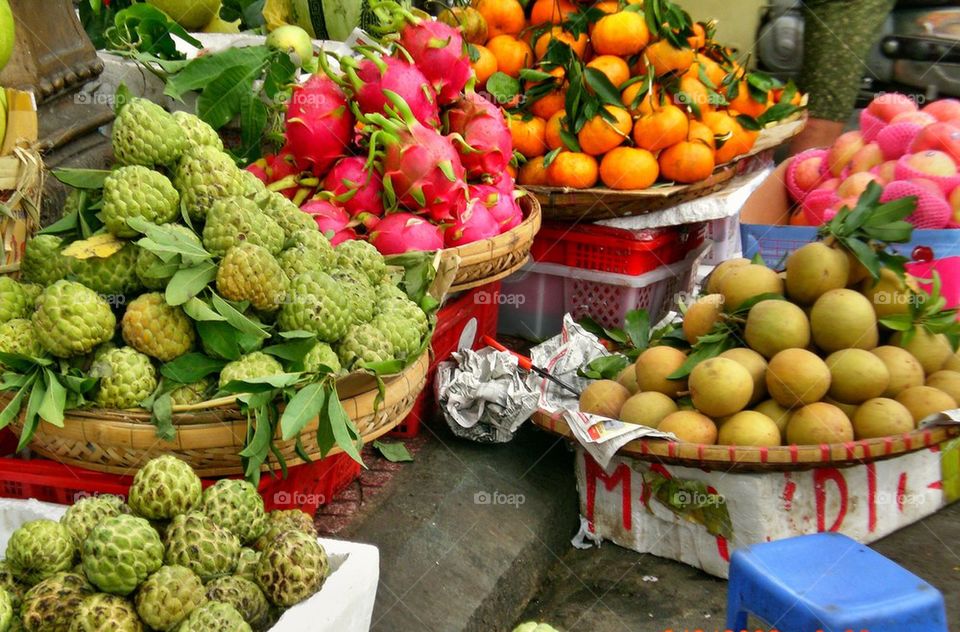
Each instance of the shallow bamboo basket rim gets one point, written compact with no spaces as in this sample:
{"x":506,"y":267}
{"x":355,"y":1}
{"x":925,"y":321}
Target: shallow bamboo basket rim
{"x":731,"y":458}
{"x":595,"y":203}
{"x":490,"y":260}
{"x":211,"y":437}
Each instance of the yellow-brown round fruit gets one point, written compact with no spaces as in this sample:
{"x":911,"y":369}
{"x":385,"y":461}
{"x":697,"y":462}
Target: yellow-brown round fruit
{"x":881,"y":417}
{"x":779,"y":414}
{"x":888,"y":294}
{"x":815,"y":269}
{"x":720,"y":387}
{"x":744,"y":282}
{"x":923,"y":401}
{"x":647,"y":409}
{"x":848,"y":409}
{"x":701,"y":316}
{"x":713,"y":282}
{"x":856,"y":375}
{"x":946,"y":381}
{"x":749,"y":427}
{"x":819,"y":423}
{"x":953,"y":362}
{"x":604,"y":397}
{"x":904,"y":369}
{"x":843,"y":319}
{"x":932,"y":350}
{"x":628,"y":378}
{"x":755,"y":364}
{"x":797,"y":377}
{"x":690,"y":426}
{"x":774,"y":325}
{"x":858,"y":272}
{"x":653,"y":367}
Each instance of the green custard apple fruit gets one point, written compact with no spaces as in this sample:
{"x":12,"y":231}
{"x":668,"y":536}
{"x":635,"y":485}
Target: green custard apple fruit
{"x":236,"y":506}
{"x":146,"y":134}
{"x":195,"y":541}
{"x":192,"y":393}
{"x":197,"y":130}
{"x":168,"y":597}
{"x":13,"y":300}
{"x":18,"y":336}
{"x":406,"y":309}
{"x":15,"y":588}
{"x":247,"y":564}
{"x":106,"y":613}
{"x":204,"y":175}
{"x":365,"y":343}
{"x":403,"y":334}
{"x":321,"y":355}
{"x":319,"y":304}
{"x":86,"y":513}
{"x":33,"y":291}
{"x":292,"y":568}
{"x":127,"y":377}
{"x":39,"y":549}
{"x":252,"y":185}
{"x":237,"y":220}
{"x":215,"y":616}
{"x":363,"y":257}
{"x":163,"y":488}
{"x":73,"y":318}
{"x":308,"y":250}
{"x":244,"y":595}
{"x":363,"y":295}
{"x":114,"y":276}
{"x":152,"y":326}
{"x":255,"y":364}
{"x":52,"y":604}
{"x":136,"y":191}
{"x":283,"y":520}
{"x":284,"y":212}
{"x":6,"y":609}
{"x":120,"y":553}
{"x":42,"y":262}
{"x":250,"y":273}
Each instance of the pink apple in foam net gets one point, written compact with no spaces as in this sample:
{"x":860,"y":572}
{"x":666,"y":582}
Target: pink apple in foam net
{"x":868,"y":157}
{"x":940,"y":136}
{"x":944,"y":109}
{"x":808,"y":173}
{"x":856,"y":184}
{"x":830,"y":184}
{"x":917,"y":118}
{"x":843,"y":150}
{"x":886,"y":170}
{"x":887,"y":105}
{"x":933,"y":163}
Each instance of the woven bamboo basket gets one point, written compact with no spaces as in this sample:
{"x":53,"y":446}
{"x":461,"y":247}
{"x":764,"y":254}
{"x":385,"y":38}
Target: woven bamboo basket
{"x":731,"y":458}
{"x":483,"y":262}
{"x":565,"y":204}
{"x":210,"y":435}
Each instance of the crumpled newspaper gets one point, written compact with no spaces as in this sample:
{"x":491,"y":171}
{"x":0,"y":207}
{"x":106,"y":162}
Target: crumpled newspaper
{"x":562,"y":356}
{"x":483,"y":395}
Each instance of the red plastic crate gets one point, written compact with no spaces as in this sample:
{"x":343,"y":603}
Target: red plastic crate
{"x":460,"y":324}
{"x":306,"y":487}
{"x":617,"y":250}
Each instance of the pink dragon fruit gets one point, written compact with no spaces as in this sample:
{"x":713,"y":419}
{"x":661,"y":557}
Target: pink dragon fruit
{"x":487,"y":144}
{"x":357,"y":189}
{"x":403,"y":232}
{"x":332,"y":220}
{"x":284,"y":172}
{"x":319,"y":123}
{"x":438,"y":51}
{"x":502,"y":206}
{"x":475,"y":223}
{"x":505,"y":182}
{"x":373,"y":75}
{"x":259,"y":169}
{"x":421,"y":168}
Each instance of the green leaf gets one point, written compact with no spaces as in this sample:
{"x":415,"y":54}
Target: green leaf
{"x":122,"y":97}
{"x":293,"y":351}
{"x":325,"y":438}
{"x":602,"y":86}
{"x":199,"y":310}
{"x":503,"y":87}
{"x":865,"y":254}
{"x":189,"y":282}
{"x":259,"y":446}
{"x":532,"y":74}
{"x":190,"y":368}
{"x":13,"y":407}
{"x":344,"y":432}
{"x":393,"y":452}
{"x":221,"y":100}
{"x":82,"y":178}
{"x":604,"y":367}
{"x":161,"y":414}
{"x":303,"y":408}
{"x":54,"y":400}
{"x":569,"y":140}
{"x":637,"y":327}
{"x":220,"y":339}
{"x":204,"y":70}
{"x":254,"y":117}
{"x":236,"y":319}
{"x":701,"y":353}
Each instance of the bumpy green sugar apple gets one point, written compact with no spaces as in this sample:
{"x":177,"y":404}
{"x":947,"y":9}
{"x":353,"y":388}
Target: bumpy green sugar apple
{"x":195,"y":541}
{"x":197,"y":131}
{"x":136,"y":191}
{"x":42,"y":262}
{"x":283,"y":520}
{"x":153,"y":272}
{"x":244,"y":595}
{"x":146,"y":134}
{"x":533,"y":626}
{"x":321,"y":355}
{"x":120,"y":553}
{"x":363,"y":257}
{"x":403,"y":334}
{"x":6,"y":609}
{"x":255,"y":364}
{"x":406,"y":309}
{"x":236,"y":506}
{"x":15,"y":589}
{"x":237,"y":220}
{"x":364,"y":343}
{"x":191,"y":393}
{"x":38,"y":550}
{"x":250,"y":273}
{"x":106,"y":613}
{"x":18,"y":336}
{"x":319,"y":304}
{"x":387,"y":291}
{"x":362,"y":295}
{"x":73,"y":318}
{"x":252,"y":185}
{"x":169,"y":596}
{"x":163,"y":488}
{"x":114,"y":276}
{"x":13,"y":300}
{"x":86,"y":513}
{"x":158,"y":329}
{"x":284,"y":212}
{"x":215,"y":616}
{"x":247,"y":564}
{"x":32,"y":290}
{"x":292,"y":568}
{"x":308,"y":250}
{"x":52,"y":604}
{"x":204,"y":175}
{"x":127,"y":377}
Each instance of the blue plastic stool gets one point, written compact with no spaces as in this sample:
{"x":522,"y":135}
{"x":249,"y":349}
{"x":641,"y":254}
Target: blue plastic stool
{"x":828,"y":582}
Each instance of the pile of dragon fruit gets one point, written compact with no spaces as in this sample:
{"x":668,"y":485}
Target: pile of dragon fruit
{"x":909,"y":150}
{"x":393,"y":147}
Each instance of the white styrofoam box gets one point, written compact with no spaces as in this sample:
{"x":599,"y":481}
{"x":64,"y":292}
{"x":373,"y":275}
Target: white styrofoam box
{"x":866,"y":502}
{"x":344,"y":603}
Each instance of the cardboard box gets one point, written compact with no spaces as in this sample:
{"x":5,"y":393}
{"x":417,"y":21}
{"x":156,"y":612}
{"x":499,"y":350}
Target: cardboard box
{"x":700,"y":517}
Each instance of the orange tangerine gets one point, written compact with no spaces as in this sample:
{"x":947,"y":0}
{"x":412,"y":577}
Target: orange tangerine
{"x":615,"y":68}
{"x":622,"y":33}
{"x":485,"y":65}
{"x":502,"y":16}
{"x":661,"y":129}
{"x":512,"y":55}
{"x":533,"y":172}
{"x":628,"y":168}
{"x":573,"y":169}
{"x":598,"y":135}
{"x":528,"y":135}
